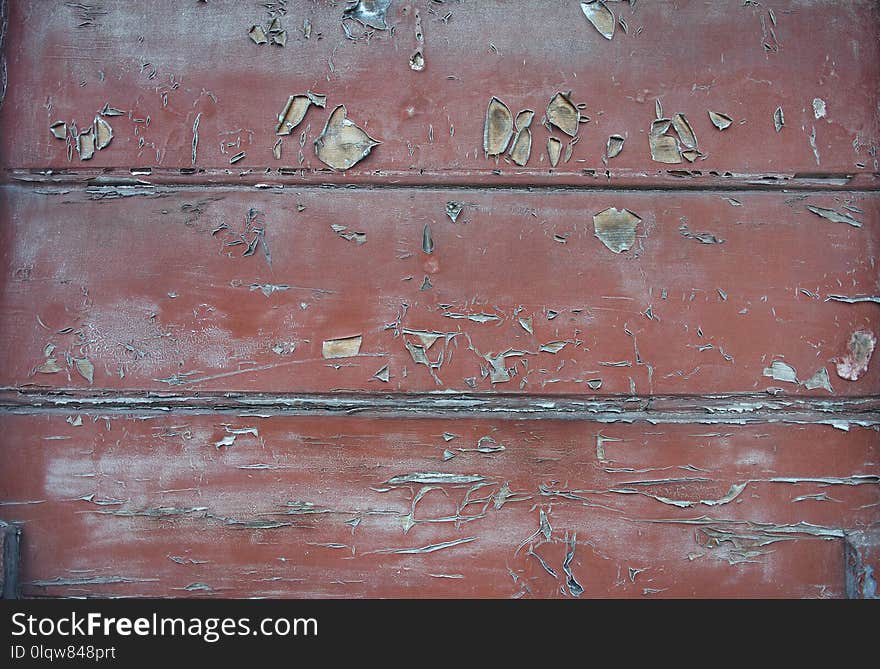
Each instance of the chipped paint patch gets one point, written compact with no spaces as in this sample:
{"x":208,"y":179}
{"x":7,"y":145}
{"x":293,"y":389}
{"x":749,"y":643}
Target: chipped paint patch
{"x":562,"y":113}
{"x":855,"y":363}
{"x":342,"y":144}
{"x":600,"y":17}
{"x":345,"y":347}
{"x":781,"y":371}
{"x":719,"y":120}
{"x":554,"y":150}
{"x":616,"y":229}
{"x":295,"y":111}
{"x":819,"y":380}
{"x":453,"y":210}
{"x":498,"y":128}
{"x":369,"y":13}
{"x":614,"y":146}
{"x":834,"y":216}
{"x":664,"y":147}
{"x":778,"y":119}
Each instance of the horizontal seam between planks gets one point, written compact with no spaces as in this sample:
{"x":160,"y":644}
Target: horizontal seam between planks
{"x":147,"y":189}
{"x":744,"y":183}
{"x":732,"y":409}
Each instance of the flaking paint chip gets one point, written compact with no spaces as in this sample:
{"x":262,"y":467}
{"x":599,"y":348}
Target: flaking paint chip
{"x":614,"y":146}
{"x":358,"y":238}
{"x":370,"y":13}
{"x":345,"y":347}
{"x":417,"y":353}
{"x":107,"y":110}
{"x":553,"y":347}
{"x":664,"y":148}
{"x":523,"y":119}
{"x":521,"y":148}
{"x":834,"y":216}
{"x":554,"y":150}
{"x":719,"y":120}
{"x":616,"y":229}
{"x":59,"y":130}
{"x":778,"y":119}
{"x":295,"y":111}
{"x":85,"y":368}
{"x":257,"y":34}
{"x":702,"y":237}
{"x":427,"y":240}
{"x":819,"y":380}
{"x":85,"y":144}
{"x":342,"y":143}
{"x":417,"y":61}
{"x":50,"y":366}
{"x":498,"y":129}
{"x":563,"y":114}
{"x":600,"y":16}
{"x":453,"y":210}
{"x":103,"y":133}
{"x":684,"y":130}
{"x":781,"y":371}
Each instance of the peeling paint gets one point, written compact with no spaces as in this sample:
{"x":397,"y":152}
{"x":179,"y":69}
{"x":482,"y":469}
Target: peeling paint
{"x":342,"y":144}
{"x":498,"y":128}
{"x":616,"y":229}
{"x":600,"y":17}
{"x":834,"y":216}
{"x":345,"y":347}
{"x":860,"y":349}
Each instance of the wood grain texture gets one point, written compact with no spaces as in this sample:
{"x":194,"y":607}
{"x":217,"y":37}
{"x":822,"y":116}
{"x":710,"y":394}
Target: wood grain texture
{"x":164,"y":64}
{"x":150,"y":505}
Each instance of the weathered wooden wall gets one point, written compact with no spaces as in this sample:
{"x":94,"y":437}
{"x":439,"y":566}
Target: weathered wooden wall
{"x":525,"y":412}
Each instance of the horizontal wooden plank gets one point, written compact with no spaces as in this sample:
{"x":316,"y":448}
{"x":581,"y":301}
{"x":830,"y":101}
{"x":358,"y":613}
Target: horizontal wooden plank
{"x":621,"y":382}
{"x":166,"y":65}
{"x":147,"y":505}
{"x":161,"y":291}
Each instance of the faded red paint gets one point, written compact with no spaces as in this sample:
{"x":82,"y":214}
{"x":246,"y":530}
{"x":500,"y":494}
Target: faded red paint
{"x":168,"y":300}
{"x":142,"y":55}
{"x":342,"y":466}
{"x":125,"y":281}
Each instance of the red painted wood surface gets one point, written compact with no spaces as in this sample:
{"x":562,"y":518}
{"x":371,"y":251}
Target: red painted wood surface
{"x":147,"y":289}
{"x":177,"y":420}
{"x":169,"y":62}
{"x":139,"y":505}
